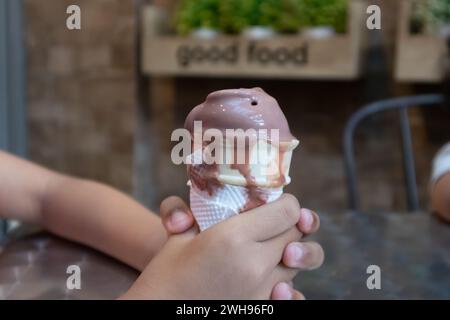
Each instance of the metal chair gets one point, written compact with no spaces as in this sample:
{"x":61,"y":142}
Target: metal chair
{"x":402,"y":105}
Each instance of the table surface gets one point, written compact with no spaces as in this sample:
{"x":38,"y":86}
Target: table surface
{"x":412,"y":251}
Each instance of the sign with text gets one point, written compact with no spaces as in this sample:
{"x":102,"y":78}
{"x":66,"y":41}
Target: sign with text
{"x":251,"y":52}
{"x":279,"y":57}
{"x":337,"y":57}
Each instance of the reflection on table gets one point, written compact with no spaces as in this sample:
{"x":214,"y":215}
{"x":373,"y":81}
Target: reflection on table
{"x":35,"y":267}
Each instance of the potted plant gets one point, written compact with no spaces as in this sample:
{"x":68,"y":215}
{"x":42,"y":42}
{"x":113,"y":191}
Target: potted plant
{"x":259,"y":18}
{"x":252,"y":18}
{"x":432,"y":16}
{"x":288,"y":18}
{"x":233,"y":16}
{"x":322,"y":18}
{"x":198,"y":18}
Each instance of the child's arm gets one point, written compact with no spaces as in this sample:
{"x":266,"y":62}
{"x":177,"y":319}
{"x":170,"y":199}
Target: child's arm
{"x":440,"y":197}
{"x":82,"y":211}
{"x":440,"y":179}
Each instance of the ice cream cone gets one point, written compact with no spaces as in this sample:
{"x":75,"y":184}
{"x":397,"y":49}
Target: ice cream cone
{"x":222,"y":189}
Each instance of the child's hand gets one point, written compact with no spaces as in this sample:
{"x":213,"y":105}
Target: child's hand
{"x":177,"y":218}
{"x":236,"y":259}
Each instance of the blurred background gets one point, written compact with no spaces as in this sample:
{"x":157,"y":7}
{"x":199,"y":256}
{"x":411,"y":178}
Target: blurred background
{"x":101,"y":102}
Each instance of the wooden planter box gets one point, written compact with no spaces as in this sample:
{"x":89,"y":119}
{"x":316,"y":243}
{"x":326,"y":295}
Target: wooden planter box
{"x":420,"y":58}
{"x":293,"y":56}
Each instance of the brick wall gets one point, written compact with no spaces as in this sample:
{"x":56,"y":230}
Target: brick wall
{"x":81,"y":90}
{"x":81,"y":112}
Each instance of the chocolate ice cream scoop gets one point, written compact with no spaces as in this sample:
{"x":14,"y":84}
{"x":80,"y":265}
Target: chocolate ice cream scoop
{"x":240,"y":109}
{"x":219,"y":190}
{"x":243,"y":109}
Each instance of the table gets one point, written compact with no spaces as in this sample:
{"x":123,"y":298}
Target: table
{"x":35,"y":267}
{"x":412,"y":251}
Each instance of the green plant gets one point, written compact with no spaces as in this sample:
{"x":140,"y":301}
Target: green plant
{"x":233,"y":15}
{"x":418,"y":10}
{"x":193,"y":14}
{"x":323,"y":13}
{"x":429,"y":15}
{"x":268,"y":12}
{"x":439,"y":12}
{"x":288,"y":19}
{"x":282,"y":15}
{"x":285,"y":16}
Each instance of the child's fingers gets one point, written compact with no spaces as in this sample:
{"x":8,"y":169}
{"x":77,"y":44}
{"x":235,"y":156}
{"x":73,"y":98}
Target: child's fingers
{"x":309,"y":221}
{"x":269,"y":220}
{"x":281,"y":291}
{"x":175,"y":215}
{"x":272,"y":249}
{"x":303,"y":255}
{"x":284,"y":291}
{"x":281,"y":273}
{"x":297,"y":295}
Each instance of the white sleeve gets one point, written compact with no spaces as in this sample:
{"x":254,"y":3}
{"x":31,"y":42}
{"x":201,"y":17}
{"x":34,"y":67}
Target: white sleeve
{"x":441,"y":163}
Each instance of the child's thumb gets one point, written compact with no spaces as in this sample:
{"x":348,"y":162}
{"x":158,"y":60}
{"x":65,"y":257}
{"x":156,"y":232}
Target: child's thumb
{"x":176,"y":216}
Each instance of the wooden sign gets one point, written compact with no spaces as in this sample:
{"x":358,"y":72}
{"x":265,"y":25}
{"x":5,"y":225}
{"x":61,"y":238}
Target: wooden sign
{"x":421,"y":57}
{"x":294,"y":56}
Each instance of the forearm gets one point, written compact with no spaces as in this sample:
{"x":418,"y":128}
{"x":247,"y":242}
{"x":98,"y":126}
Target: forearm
{"x":82,"y":211}
{"x":440,"y":197}
{"x":103,"y":218}
{"x":22,"y":186}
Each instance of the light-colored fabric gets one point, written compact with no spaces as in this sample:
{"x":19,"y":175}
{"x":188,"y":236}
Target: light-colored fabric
{"x":441,"y":163}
